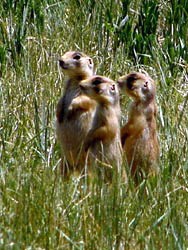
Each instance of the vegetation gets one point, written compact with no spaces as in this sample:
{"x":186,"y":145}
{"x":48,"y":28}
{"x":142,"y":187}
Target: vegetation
{"x":37,"y":209}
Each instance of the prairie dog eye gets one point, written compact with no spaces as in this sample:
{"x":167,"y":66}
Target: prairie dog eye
{"x":113,"y":87}
{"x":77,"y":57}
{"x":146,"y":84}
{"x":90,"y":61}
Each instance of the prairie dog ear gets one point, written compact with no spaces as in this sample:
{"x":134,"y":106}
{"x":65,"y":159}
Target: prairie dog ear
{"x":97,"y":81}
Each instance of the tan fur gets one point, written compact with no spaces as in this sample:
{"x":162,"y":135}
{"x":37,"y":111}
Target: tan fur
{"x":139,"y":135}
{"x":74,"y":111}
{"x":103,"y":140}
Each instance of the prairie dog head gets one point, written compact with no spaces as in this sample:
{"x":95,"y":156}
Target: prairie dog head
{"x":101,"y":89}
{"x":76,"y":65}
{"x":138,"y":86}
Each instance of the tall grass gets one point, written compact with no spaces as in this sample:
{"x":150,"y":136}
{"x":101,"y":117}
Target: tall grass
{"x":37,"y":209}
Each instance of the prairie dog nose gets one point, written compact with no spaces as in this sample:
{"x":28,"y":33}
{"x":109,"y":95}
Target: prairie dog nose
{"x":61,"y":63}
{"x":120,"y":83}
{"x":82,"y":86}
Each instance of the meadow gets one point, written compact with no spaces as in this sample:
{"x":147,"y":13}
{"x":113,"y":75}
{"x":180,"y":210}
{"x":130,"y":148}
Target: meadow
{"x":38,"y":210}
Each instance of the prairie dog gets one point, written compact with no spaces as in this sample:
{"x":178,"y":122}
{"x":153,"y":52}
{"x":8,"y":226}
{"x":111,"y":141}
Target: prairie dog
{"x":74,"y":111}
{"x":103,"y":139}
{"x":139,"y":135}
